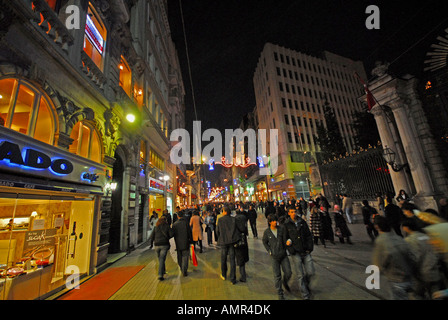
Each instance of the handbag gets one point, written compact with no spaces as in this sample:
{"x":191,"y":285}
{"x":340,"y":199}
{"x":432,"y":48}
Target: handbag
{"x":193,"y":256}
{"x":241,"y":242}
{"x":337,"y":232}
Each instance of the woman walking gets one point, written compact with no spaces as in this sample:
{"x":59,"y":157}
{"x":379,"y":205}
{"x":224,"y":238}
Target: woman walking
{"x":341,"y":229}
{"x":196,"y":229}
{"x":161,"y":239}
{"x":316,"y":226}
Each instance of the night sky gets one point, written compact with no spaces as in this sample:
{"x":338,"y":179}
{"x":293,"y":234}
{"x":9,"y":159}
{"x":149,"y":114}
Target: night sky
{"x":225,"y":39}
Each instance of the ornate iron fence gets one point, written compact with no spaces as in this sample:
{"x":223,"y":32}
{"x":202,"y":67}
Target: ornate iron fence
{"x":360,"y":175}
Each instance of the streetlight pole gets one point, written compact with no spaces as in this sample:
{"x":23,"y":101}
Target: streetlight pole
{"x":166,"y":178}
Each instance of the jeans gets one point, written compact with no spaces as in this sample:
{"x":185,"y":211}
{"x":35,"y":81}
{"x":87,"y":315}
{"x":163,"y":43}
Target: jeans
{"x":304,"y":266}
{"x":229,"y":250}
{"x":161,"y":254}
{"x":183,"y":256}
{"x":348,"y":213}
{"x":277,"y":267}
{"x":210,"y":235}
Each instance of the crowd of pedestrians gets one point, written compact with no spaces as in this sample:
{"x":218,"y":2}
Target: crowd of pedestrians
{"x":408,"y":247}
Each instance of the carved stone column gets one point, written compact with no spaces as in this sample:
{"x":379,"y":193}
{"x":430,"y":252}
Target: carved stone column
{"x":399,"y":179}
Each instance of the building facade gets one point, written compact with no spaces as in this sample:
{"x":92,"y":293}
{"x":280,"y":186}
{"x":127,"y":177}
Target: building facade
{"x":291,"y":89}
{"x":89,"y":93}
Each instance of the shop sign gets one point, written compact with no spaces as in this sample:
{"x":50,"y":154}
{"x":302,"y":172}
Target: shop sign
{"x":28,"y":156}
{"x":156,"y":185}
{"x":33,"y":159}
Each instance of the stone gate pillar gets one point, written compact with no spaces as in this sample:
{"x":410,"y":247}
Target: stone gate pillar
{"x":407,"y":133}
{"x":399,"y":179}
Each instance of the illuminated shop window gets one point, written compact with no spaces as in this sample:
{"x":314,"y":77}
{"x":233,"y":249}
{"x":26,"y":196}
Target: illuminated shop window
{"x":25,"y":109}
{"x":95,"y":37}
{"x":86,"y":142}
{"x":125,"y":76}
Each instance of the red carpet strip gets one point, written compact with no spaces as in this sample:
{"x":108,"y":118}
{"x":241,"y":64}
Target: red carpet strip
{"x":103,"y":285}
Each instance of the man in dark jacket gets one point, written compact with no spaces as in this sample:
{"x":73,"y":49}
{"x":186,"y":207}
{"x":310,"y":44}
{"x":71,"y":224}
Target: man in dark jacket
{"x":368,"y":214}
{"x":394,"y":216}
{"x":183,"y":238}
{"x":242,"y":251}
{"x":300,"y":245}
{"x":274,"y":240}
{"x":252,"y":215}
{"x":227,"y":236}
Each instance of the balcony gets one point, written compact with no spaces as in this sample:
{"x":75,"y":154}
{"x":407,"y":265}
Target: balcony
{"x":47,"y":21}
{"x":92,"y":71}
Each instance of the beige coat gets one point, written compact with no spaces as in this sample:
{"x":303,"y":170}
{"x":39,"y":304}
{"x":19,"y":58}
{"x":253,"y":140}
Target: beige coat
{"x":195,"y":224}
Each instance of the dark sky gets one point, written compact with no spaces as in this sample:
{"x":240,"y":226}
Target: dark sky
{"x":225,"y":39}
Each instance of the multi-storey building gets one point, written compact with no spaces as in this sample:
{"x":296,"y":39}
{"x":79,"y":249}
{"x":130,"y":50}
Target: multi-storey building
{"x":291,"y":89}
{"x":89,"y":92}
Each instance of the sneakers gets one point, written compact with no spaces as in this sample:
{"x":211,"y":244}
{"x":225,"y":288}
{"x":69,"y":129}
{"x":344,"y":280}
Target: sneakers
{"x":222,"y":277}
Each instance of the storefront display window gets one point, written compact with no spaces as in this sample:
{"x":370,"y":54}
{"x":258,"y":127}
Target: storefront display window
{"x":41,"y":239}
{"x":24,"y":109}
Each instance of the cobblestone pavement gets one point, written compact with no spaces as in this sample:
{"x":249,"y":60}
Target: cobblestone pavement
{"x":340,"y":273}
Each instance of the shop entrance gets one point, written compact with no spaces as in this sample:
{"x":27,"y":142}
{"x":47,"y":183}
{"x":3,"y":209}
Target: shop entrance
{"x":116,"y":211}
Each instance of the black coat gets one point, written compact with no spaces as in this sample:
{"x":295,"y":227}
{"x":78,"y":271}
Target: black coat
{"x":300,"y":235}
{"x":393,"y":214}
{"x":226,"y":230}
{"x":161,"y":235}
{"x":242,"y":252}
{"x":182,"y":234}
{"x":340,"y":224}
{"x":252,"y":215}
{"x":275,"y":246}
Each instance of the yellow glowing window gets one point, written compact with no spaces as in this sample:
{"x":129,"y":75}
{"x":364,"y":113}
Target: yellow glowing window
{"x":125,"y":76}
{"x":25,"y":109}
{"x":86,"y":142}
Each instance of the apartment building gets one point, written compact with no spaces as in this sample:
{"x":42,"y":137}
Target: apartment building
{"x":291,"y":89}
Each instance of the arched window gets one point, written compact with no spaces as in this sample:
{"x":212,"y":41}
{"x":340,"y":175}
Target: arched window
{"x":86,"y":141}
{"x":25,"y":109}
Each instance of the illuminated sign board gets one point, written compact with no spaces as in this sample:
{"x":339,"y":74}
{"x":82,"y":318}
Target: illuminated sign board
{"x":25,"y":155}
{"x":94,"y":35}
{"x":33,"y":159}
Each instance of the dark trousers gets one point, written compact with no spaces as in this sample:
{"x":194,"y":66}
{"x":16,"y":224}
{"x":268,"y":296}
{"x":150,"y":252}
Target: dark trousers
{"x":210,"y":236}
{"x":371,"y":231}
{"x":317,"y":238}
{"x":253,"y":226}
{"x":183,"y":256}
{"x":228,"y":250}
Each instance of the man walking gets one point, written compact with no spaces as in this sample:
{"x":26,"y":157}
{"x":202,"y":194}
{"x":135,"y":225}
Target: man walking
{"x":183,"y":238}
{"x":395,"y":259}
{"x":227,"y":236}
{"x":252,"y":215}
{"x":274,"y":240}
{"x":300,"y":245}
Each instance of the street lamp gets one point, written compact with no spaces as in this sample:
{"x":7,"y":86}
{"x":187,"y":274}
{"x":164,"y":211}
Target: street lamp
{"x":390,"y":156}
